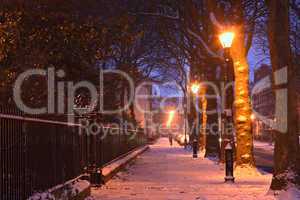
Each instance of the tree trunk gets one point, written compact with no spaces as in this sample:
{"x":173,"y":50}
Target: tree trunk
{"x":212,"y":137}
{"x":202,"y":142}
{"x":242,"y":115}
{"x":242,"y":106}
{"x":286,"y":142}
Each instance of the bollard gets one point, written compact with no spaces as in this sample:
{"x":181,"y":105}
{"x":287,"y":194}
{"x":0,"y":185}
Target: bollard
{"x":229,"y":163}
{"x":195,"y":153}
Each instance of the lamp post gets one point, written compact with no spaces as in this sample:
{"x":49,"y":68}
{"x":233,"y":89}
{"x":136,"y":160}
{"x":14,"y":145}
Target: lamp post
{"x":226,"y":40}
{"x":195,"y":89}
{"x":229,"y":163}
{"x":185,"y":121}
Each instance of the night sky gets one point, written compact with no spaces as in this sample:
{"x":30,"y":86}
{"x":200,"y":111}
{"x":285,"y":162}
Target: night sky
{"x":256,"y":57}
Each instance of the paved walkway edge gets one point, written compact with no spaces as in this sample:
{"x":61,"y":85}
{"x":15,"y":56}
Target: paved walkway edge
{"x":113,"y":168}
{"x":75,"y":189}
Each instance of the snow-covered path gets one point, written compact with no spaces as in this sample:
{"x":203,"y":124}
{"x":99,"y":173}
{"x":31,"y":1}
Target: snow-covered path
{"x":170,"y":173}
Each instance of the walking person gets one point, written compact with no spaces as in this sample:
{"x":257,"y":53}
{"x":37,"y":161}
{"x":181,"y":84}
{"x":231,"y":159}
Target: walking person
{"x":170,"y":139}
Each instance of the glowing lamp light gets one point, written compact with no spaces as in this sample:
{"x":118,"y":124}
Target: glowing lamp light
{"x":226,"y":39}
{"x":195,"y":88}
{"x":252,"y":117}
{"x":171,"y":117}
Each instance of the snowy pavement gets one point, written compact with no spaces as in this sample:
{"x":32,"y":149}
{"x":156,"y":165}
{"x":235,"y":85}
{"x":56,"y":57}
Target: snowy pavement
{"x":263,"y":153}
{"x":170,"y":173}
{"x":264,"y":145}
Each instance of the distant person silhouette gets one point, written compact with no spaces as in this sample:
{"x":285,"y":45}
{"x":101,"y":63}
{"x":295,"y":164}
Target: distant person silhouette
{"x":170,"y":139}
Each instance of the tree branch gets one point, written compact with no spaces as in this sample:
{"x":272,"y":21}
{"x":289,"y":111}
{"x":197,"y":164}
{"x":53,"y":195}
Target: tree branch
{"x":214,"y":21}
{"x":157,"y":15}
{"x":252,"y":29}
{"x":295,"y":7}
{"x":209,"y":51}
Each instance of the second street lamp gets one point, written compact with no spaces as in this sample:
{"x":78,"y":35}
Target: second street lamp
{"x":195,"y":87}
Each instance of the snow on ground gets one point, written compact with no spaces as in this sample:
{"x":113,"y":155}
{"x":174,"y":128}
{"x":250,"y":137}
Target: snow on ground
{"x":68,"y":190}
{"x":170,"y":173}
{"x":291,"y":194}
{"x":264,"y":145}
{"x":43,"y":196}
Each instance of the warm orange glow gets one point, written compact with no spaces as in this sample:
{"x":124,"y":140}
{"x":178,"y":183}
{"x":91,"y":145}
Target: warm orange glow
{"x":195,"y":88}
{"x":226,"y":39}
{"x":171,"y":117}
{"x":252,"y":117}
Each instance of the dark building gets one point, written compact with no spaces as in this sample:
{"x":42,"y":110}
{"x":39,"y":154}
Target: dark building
{"x":263,"y":103}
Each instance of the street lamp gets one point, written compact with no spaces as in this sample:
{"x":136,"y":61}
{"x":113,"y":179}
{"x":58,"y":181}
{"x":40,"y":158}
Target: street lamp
{"x":226,"y":40}
{"x":195,"y":87}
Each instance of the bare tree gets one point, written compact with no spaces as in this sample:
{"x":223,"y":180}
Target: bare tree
{"x":286,"y":170}
{"x":243,"y":16}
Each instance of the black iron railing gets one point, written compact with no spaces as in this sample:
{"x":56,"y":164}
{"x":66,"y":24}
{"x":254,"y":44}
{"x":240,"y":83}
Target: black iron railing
{"x":39,"y":153}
